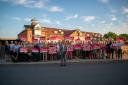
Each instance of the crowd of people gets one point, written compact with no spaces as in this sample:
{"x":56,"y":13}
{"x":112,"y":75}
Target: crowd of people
{"x":22,"y":51}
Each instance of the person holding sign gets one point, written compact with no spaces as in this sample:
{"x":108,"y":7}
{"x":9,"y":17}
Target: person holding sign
{"x":77,"y":48}
{"x":69,"y":51}
{"x":23,"y":56}
{"x":43,"y":52}
{"x":35,"y":53}
{"x":52,"y":51}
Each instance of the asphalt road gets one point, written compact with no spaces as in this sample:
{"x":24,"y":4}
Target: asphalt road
{"x":108,"y":73}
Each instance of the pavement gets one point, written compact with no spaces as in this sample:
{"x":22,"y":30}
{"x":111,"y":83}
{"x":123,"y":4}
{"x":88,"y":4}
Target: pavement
{"x":4,"y":61}
{"x":74,"y":73}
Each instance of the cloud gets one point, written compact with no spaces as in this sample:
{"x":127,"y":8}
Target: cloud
{"x":27,"y":3}
{"x":72,"y":17}
{"x":36,"y":4}
{"x":21,"y":19}
{"x":113,"y":18}
{"x":104,"y":1}
{"x":125,"y":10}
{"x":114,"y":11}
{"x":39,"y":4}
{"x":127,"y":16}
{"x":27,"y":19}
{"x":103,"y":22}
{"x":16,"y":18}
{"x":88,"y":18}
{"x":58,"y":22}
{"x":46,"y":21}
{"x":55,"y":9}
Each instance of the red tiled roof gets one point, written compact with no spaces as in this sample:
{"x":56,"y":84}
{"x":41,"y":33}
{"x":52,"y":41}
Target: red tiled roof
{"x":68,"y":32}
{"x":52,"y":29}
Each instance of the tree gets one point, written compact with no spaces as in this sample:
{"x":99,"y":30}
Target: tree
{"x":111,"y":35}
{"x":125,"y":36}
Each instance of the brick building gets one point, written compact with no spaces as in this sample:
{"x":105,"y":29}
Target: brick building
{"x":35,"y":32}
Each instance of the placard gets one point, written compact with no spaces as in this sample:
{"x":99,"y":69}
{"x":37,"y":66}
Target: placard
{"x":52,"y":50}
{"x":35,"y":50}
{"x":77,"y":47}
{"x":70,"y":48}
{"x":43,"y":49}
{"x":23,"y":50}
{"x":86,"y":48}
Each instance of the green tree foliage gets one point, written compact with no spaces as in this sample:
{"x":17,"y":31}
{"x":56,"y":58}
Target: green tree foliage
{"x":125,"y":36}
{"x":111,"y":35}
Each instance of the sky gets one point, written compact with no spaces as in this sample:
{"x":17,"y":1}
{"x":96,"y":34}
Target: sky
{"x":99,"y":16}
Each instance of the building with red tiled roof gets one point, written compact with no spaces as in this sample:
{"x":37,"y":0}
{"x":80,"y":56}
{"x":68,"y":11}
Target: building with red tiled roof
{"x":36,"y":32}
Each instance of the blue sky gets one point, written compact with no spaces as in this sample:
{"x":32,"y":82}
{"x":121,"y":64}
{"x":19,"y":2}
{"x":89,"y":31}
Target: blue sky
{"x":99,"y":16}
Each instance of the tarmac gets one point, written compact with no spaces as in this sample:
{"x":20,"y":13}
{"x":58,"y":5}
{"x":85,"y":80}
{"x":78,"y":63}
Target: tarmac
{"x":5,"y":62}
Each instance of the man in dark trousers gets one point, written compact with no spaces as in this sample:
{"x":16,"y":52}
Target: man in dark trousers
{"x":62,"y":52}
{"x":108,"y":48}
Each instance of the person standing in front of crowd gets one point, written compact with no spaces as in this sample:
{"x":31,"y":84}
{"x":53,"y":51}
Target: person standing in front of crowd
{"x":108,"y":48}
{"x":63,"y":50}
{"x":119,"y":50}
{"x":58,"y":48}
{"x":11,"y":47}
{"x":114,"y":49}
{"x":16,"y":51}
{"x":7,"y":51}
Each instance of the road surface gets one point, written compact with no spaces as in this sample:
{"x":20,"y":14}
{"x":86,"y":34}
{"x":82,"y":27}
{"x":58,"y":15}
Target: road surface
{"x":90,"y":73}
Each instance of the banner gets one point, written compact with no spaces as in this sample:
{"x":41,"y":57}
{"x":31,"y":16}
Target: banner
{"x":120,"y":39}
{"x":77,"y":47}
{"x":86,"y":48}
{"x":43,"y":49}
{"x":23,"y":50}
{"x":35,"y":50}
{"x":52,"y":50}
{"x":69,"y":48}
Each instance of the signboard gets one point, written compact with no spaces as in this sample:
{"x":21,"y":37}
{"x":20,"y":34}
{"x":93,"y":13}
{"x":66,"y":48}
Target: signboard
{"x":77,"y":47}
{"x":43,"y":49}
{"x":52,"y":50}
{"x":120,"y":40}
{"x":23,"y":50}
{"x":69,"y":48}
{"x":35,"y":50}
{"x":86,"y":48}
